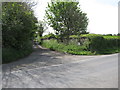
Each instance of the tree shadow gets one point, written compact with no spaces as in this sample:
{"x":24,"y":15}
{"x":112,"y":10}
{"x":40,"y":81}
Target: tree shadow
{"x":39,"y":58}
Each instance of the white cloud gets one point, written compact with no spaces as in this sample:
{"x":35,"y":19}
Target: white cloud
{"x":103,"y":18}
{"x":40,"y":9}
{"x":40,"y":13}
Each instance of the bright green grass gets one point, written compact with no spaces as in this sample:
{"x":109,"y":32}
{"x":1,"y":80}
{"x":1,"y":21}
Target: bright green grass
{"x":75,"y":49}
{"x":71,"y":48}
{"x":111,"y":37}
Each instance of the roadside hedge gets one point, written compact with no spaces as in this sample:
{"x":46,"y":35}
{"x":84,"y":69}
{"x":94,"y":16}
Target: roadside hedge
{"x":18,"y":28}
{"x":74,"y":49}
{"x":99,"y":43}
{"x":10,"y":54}
{"x":96,"y":43}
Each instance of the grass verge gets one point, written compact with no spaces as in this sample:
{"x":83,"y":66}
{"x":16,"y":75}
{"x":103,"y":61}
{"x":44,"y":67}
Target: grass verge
{"x":10,"y":54}
{"x":76,"y":49}
{"x":71,"y":48}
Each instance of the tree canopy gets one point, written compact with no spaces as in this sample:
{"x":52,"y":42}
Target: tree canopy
{"x":66,"y":18}
{"x":18,"y":24}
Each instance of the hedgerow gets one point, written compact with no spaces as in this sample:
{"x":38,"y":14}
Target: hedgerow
{"x":100,"y":44}
{"x":92,"y":43}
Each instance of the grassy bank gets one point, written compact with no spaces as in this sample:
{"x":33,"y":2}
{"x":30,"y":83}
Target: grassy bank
{"x":71,"y":48}
{"x":11,"y":54}
{"x":77,"y":49}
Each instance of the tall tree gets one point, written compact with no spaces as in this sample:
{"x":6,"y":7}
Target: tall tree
{"x":18,"y":24}
{"x":66,"y":18}
{"x":41,"y":27}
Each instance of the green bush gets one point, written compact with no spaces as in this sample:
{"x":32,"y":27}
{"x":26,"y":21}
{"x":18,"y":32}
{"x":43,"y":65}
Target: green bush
{"x":71,"y":48}
{"x":52,"y":44}
{"x":112,"y":41}
{"x":11,"y":54}
{"x":18,"y":24}
{"x":18,"y":27}
{"x":109,"y":37}
{"x":74,"y":36}
{"x":93,"y":44}
{"x":49,"y":36}
{"x":101,"y":44}
{"x":90,"y":35}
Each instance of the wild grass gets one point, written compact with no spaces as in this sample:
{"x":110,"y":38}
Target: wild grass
{"x":10,"y":54}
{"x":70,"y":48}
{"x":77,"y":49}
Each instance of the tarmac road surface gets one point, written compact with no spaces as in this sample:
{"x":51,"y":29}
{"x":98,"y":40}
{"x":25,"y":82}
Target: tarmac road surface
{"x":88,"y":72}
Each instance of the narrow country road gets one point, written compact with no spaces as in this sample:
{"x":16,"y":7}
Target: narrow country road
{"x":50,"y":69}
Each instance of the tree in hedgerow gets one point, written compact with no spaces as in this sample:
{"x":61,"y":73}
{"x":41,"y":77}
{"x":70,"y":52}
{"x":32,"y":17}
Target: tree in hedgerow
{"x":66,"y":18}
{"x":41,"y":26}
{"x":18,"y":24}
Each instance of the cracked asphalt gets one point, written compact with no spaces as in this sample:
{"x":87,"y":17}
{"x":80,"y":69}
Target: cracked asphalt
{"x":51,"y":69}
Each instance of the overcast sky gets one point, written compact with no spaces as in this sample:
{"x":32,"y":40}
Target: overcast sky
{"x":102,"y":14}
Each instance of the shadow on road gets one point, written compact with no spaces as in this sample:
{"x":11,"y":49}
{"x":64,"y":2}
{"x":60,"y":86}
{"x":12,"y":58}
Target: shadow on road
{"x":40,"y":57}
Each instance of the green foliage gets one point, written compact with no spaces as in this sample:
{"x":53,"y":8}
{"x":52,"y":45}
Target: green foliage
{"x":18,"y":25}
{"x":66,"y":18}
{"x":92,"y":44}
{"x":74,"y":36}
{"x":95,"y":42}
{"x":49,"y":36}
{"x":40,"y":28}
{"x":53,"y":45}
{"x":113,"y":41}
{"x":39,"y":32}
{"x":91,"y":35}
{"x":11,"y":54}
{"x":71,"y":48}
{"x":102,"y":44}
{"x":118,"y":34}
{"x":111,"y":37}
